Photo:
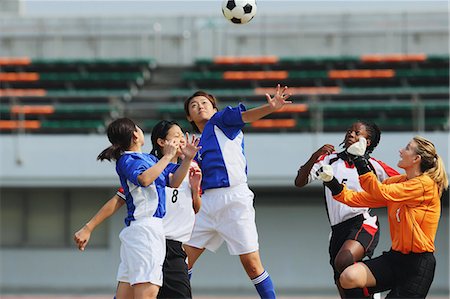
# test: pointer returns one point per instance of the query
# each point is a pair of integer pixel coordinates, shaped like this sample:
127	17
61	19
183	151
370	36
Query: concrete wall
39	160
180	40
293	245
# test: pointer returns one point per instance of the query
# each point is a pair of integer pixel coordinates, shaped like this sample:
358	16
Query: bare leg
350	252
124	291
252	264
145	290
193	253
357	276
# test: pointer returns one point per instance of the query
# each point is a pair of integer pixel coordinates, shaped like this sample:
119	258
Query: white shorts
142	252
227	214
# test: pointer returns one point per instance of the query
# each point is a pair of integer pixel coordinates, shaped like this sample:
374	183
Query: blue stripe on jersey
129	166
221	157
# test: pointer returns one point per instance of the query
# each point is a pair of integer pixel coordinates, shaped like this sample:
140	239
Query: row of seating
67	95
399	92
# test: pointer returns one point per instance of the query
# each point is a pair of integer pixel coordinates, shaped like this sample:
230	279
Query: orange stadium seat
15	61
27	109
274	123
246	60
18	124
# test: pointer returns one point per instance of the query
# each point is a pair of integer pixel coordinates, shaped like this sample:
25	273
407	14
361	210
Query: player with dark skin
346	247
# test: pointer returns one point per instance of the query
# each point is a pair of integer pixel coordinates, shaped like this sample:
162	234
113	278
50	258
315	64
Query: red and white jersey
346	173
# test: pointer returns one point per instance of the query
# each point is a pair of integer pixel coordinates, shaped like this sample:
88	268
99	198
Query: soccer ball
239	11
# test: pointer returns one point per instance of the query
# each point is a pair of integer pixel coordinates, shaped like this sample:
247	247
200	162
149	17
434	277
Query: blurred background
67	68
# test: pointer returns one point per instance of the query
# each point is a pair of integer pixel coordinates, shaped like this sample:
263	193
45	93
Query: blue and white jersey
180	216
221	157
142	201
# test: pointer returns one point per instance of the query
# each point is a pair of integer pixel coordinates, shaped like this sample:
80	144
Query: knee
350	278
343	260
252	270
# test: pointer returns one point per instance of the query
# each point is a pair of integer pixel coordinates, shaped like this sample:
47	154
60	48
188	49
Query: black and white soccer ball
239	11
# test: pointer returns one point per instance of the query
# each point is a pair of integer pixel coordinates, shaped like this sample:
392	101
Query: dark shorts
406	275
352	229
176	282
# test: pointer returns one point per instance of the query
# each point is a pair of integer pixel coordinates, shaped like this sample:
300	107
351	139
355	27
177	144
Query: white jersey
346	173
180	216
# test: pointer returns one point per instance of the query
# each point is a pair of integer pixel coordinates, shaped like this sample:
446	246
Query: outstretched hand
325	173
195	176
279	99
190	149
358	148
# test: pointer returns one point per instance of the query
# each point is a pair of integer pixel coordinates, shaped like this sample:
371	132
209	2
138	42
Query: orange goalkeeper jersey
413	206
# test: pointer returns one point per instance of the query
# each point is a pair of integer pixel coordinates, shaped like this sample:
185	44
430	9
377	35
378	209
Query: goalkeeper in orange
414	208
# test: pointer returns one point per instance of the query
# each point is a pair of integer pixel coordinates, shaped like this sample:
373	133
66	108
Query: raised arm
342	194
195	179
148	176
189	151
82	236
304	171
410	190
359	199
273	104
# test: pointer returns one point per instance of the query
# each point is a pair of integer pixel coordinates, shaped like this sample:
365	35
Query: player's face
176	133
201	109
408	156
353	134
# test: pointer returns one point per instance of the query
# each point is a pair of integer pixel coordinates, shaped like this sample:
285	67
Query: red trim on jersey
121	190
321	158
348	165
389	170
370	229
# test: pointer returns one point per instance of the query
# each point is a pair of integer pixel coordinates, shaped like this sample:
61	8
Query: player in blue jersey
181	205
354	231
227	212
143	178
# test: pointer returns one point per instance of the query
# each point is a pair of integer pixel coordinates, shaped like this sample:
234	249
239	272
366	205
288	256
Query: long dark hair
199	93
160	130
120	133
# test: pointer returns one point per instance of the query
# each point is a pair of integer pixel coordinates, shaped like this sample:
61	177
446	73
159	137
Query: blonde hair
431	163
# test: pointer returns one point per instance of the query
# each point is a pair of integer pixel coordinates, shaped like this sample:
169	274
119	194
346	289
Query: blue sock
190	273
264	286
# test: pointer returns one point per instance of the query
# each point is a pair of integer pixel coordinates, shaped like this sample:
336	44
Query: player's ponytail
431	163
120	134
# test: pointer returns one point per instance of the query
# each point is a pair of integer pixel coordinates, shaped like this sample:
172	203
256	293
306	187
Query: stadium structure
63	79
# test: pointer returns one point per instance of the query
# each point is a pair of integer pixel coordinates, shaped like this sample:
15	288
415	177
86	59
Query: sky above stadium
211	7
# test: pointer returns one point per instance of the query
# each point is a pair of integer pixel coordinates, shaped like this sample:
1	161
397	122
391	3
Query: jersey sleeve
383	171
313	172
170	169
121	193
359	199
133	168
229	120
390	190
